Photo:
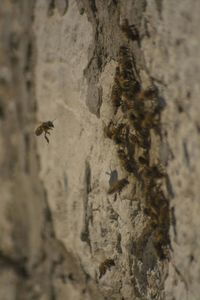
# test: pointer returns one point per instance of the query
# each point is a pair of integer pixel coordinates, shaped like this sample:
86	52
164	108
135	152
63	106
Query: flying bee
104	266
117	186
44	127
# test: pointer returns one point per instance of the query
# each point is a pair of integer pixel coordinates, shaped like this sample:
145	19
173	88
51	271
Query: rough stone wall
67	231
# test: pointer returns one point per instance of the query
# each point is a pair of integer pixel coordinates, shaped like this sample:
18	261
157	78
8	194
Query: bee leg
45	135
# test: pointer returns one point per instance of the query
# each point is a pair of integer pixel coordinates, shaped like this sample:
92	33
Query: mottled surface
62	235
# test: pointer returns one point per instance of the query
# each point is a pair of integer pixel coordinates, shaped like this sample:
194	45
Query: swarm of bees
44	127
140	113
104	266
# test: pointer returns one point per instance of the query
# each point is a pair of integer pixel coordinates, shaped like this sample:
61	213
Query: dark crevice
85	234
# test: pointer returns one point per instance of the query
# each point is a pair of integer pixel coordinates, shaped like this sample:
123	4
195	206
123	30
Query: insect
124	59
109	130
104	266
116	92
116	97
149	93
130	31
126	162
161	242
113	176
143	160
115	132
117	186
155	172
44	127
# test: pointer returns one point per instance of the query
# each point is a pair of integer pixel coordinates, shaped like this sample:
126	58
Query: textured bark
109	208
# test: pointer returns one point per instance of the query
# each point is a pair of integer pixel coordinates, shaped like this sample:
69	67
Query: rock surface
64	233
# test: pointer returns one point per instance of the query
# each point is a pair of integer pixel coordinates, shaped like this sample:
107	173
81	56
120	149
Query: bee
154	171
126	163
104	266
116	96
125	83
129	85
124	53
149	93
125	59
130	31
114	132
117	75
113	176
44	127
126	105
148	121
116	91
161	242
109	130
117	186
142	160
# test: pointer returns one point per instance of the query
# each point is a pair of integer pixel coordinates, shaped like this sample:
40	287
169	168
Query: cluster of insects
136	111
